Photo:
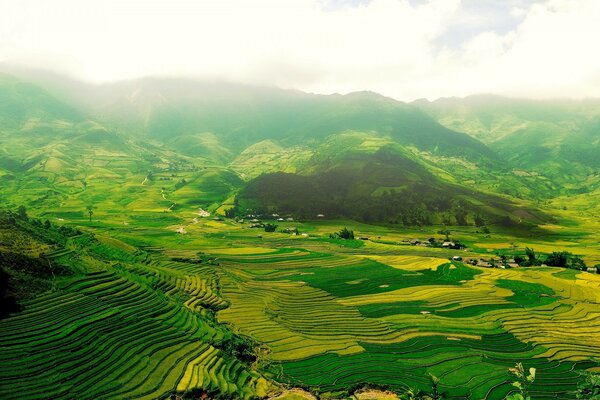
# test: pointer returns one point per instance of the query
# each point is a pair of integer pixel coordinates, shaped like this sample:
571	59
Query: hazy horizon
404	49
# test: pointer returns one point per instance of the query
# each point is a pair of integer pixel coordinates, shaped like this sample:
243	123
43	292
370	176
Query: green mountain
177	144
375	181
558	140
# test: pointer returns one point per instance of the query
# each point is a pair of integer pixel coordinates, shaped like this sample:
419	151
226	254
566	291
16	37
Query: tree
565	259
445	232
47	224
435	390
270	227
22	212
519	259
345	233
90	210
479	221
531	257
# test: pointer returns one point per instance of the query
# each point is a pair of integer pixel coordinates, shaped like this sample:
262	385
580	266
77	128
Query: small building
320	215
448	244
289	219
457	258
280	219
364	238
415	242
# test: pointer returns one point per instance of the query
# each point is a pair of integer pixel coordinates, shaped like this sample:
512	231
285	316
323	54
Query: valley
172	239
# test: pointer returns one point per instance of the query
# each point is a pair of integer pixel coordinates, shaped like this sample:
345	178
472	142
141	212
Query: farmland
328	316
150	257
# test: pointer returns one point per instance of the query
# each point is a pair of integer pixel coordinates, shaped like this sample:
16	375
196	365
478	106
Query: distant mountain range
361	155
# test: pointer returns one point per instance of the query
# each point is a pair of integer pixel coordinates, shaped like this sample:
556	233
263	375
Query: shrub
589	387
524	379
270	227
345	233
565	259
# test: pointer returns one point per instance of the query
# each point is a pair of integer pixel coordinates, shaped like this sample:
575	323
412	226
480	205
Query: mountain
556	139
188	115
376	182
174	144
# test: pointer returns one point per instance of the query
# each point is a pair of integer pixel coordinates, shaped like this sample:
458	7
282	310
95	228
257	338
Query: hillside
125	272
558	140
187	115
384	184
29	249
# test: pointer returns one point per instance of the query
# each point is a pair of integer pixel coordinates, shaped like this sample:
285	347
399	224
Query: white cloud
389	46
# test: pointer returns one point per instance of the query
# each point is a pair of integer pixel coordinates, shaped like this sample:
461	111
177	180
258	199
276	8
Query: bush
345	233
519	259
565	259
589	387
270	227
238	347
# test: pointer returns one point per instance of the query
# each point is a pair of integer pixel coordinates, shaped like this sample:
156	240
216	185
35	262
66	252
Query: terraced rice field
327	315
335	320
135	331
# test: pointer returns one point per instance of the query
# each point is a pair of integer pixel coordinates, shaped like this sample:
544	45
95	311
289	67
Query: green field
328	316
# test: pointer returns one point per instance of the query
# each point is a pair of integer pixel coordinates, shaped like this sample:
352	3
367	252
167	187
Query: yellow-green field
326	313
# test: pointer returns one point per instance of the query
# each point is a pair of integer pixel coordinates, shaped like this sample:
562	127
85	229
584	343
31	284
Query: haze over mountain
378	146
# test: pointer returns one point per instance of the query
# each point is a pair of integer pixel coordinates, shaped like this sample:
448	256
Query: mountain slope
187	115
559	139
376	183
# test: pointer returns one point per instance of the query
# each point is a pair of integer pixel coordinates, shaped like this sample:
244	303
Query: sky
405	49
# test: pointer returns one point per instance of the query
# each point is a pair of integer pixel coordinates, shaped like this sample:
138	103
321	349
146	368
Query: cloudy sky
405	49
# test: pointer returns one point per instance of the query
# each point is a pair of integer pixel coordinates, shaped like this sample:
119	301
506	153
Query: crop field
151	314
333	318
136	330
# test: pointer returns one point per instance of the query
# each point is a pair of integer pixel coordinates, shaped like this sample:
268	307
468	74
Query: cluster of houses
433	242
492	263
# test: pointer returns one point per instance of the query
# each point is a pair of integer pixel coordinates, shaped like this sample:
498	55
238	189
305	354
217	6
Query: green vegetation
133	262
524	380
270	227
344	233
589	387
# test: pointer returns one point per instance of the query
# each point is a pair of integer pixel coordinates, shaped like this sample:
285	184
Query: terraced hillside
140	326
150	312
333	321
